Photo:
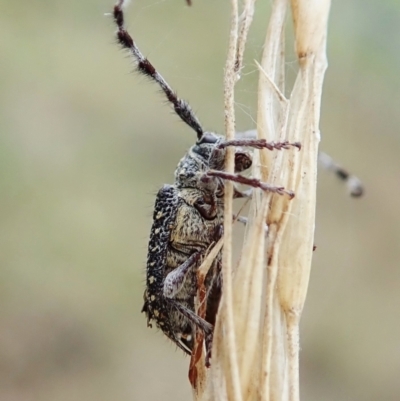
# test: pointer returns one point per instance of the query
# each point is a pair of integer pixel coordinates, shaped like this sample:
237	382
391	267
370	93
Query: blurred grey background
85	144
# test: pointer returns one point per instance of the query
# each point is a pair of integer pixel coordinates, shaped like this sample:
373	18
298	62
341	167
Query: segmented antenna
353	183
143	65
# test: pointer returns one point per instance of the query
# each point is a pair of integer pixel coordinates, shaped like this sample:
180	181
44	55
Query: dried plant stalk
256	338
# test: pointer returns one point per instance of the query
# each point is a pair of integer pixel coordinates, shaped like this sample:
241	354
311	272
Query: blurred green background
85	144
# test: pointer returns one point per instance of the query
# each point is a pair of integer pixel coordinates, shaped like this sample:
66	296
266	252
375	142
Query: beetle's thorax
201	157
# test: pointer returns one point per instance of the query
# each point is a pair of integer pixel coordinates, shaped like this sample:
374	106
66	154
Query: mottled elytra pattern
171	314
164	215
188	217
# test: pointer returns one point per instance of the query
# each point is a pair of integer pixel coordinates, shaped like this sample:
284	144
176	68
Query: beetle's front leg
252	182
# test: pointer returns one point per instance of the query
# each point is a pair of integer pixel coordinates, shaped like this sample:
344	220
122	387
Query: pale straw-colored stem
256	338
291	224
246	19
230	363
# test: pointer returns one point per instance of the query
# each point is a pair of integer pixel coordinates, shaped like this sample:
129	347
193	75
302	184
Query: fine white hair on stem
255	352
245	21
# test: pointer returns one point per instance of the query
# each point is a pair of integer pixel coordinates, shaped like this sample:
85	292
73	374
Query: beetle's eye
207	137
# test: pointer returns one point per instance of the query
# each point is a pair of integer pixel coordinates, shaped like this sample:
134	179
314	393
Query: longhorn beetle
188	216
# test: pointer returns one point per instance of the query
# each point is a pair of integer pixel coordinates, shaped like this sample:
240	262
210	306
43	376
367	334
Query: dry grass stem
226	322
245	21
256	338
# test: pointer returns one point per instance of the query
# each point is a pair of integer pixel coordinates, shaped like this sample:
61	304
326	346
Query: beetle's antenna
143	65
